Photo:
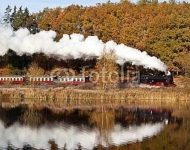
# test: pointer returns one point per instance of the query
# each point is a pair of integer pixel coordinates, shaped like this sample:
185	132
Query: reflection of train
154	114
151	80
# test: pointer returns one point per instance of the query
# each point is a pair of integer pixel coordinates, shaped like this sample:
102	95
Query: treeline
160	29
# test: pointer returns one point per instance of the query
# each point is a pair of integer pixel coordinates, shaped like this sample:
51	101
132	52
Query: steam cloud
72	46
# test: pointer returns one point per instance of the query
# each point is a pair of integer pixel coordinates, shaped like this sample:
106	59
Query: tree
7	17
34	69
107	69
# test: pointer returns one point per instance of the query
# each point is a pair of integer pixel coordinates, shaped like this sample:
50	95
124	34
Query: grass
65	97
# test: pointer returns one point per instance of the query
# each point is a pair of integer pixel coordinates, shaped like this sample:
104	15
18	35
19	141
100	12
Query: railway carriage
12	79
41	79
73	80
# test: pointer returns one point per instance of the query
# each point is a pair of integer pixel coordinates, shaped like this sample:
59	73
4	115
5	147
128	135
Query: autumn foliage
161	29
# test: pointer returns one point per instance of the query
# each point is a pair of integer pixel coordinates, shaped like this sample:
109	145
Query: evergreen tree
7	17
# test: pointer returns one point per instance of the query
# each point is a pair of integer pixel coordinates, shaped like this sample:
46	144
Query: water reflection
71	129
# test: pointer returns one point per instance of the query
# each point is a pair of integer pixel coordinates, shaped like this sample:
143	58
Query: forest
162	29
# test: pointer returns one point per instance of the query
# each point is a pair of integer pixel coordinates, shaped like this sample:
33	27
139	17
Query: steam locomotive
150	80
156	80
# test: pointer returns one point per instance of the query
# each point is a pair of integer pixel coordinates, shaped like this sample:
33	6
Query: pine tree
7	17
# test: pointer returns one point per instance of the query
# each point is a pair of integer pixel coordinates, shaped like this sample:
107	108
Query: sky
37	5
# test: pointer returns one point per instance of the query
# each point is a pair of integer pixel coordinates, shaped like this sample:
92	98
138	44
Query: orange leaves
5	71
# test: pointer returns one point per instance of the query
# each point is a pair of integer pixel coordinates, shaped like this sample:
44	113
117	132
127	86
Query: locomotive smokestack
71	46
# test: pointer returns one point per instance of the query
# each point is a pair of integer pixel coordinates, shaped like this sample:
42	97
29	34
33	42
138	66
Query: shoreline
79	97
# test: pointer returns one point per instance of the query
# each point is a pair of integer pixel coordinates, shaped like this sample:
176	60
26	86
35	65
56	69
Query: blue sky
37	5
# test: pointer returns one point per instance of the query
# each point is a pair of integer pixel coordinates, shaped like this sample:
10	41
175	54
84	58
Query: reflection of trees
174	137
32	117
105	121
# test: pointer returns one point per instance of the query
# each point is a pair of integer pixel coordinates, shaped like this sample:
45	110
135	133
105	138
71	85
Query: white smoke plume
72	46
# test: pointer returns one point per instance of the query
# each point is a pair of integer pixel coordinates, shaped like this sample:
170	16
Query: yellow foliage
107	69
5	71
34	69
63	72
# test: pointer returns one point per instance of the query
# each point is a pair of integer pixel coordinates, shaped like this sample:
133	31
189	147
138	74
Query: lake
134	127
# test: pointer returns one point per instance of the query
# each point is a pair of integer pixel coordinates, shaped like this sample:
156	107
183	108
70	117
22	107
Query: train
40	80
156	80
150	80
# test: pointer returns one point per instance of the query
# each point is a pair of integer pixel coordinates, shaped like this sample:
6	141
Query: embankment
69	97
